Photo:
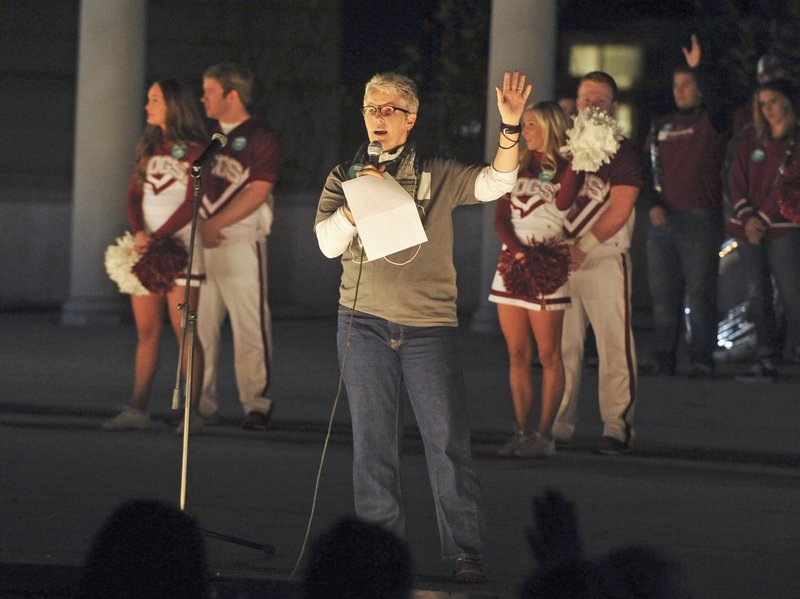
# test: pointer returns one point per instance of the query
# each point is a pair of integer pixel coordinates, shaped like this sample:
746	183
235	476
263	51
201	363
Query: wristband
587	243
509	129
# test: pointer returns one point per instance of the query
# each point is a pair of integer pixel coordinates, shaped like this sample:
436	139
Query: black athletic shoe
611	446
468	569
257	421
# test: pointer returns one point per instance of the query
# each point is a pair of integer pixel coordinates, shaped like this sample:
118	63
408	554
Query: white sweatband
587	243
491	183
335	233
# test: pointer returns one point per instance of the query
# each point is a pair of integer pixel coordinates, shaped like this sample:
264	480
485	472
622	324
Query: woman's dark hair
779	86
184	124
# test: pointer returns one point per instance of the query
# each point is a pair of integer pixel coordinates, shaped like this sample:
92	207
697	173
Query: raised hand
694	53
513	96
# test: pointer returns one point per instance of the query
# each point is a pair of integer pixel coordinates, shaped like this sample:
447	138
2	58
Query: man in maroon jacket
685	150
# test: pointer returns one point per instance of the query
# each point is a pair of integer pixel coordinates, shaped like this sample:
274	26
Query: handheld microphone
374	151
218	141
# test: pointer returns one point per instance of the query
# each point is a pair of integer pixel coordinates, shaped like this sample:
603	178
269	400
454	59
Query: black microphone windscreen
221	138
374	149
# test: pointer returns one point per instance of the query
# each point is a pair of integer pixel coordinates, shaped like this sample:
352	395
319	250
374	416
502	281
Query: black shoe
468	569
257	421
655	369
698	370
612	446
175	417
762	371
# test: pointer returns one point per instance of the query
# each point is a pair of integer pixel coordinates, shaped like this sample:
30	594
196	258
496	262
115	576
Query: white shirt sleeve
335	233
491	183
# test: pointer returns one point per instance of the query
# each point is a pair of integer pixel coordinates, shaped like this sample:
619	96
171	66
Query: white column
523	36
108	121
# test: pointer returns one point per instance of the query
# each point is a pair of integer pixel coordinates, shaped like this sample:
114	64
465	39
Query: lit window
623	62
624	117
583	59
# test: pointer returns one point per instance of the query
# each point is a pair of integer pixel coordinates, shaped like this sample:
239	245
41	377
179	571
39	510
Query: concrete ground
714	481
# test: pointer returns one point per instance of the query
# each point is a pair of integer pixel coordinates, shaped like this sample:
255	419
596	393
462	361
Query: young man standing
600	286
685	149
237	216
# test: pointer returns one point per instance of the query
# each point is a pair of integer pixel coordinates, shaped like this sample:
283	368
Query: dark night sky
374	33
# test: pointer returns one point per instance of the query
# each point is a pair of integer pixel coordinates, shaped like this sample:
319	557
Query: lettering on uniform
594	188
591	201
529	193
162	171
535	190
228	168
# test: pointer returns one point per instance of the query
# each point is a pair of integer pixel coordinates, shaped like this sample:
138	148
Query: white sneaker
509	447
537	446
196	423
129	419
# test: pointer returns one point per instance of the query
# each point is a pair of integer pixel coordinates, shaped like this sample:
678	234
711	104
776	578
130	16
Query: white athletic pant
236	285
601	296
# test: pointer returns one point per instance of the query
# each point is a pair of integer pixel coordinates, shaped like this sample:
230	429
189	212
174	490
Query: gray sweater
416	286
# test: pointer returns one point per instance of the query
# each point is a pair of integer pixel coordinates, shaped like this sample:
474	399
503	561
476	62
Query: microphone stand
187	316
189	333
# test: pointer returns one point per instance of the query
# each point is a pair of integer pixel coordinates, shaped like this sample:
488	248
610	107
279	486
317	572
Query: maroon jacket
691	153
754	189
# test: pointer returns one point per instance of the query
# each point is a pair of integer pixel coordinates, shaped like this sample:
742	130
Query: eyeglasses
385	110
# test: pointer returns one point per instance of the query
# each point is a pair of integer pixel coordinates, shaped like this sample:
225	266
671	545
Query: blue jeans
381	357
683	261
779	260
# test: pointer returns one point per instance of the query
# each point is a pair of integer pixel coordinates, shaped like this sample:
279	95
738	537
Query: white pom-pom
119	260
593	140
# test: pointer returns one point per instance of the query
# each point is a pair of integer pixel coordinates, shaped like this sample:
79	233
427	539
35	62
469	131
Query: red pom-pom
164	261
542	271
789	193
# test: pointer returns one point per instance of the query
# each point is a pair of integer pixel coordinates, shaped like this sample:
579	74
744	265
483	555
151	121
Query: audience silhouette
563	570
357	560
146	549
150	549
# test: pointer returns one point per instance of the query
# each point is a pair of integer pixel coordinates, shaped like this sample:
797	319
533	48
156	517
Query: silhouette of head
146	548
357	560
580	579
648	572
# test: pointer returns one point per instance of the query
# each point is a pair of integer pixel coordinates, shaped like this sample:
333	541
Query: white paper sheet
385	214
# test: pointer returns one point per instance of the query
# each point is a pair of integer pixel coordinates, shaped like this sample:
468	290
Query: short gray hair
395	84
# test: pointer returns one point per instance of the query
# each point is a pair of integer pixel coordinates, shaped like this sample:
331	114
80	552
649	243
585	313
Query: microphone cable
340	383
330	420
